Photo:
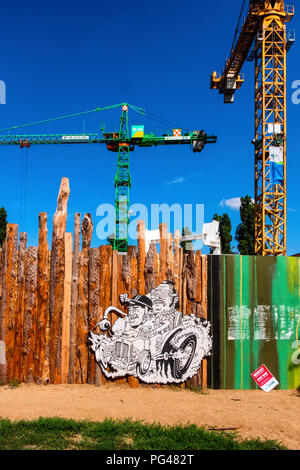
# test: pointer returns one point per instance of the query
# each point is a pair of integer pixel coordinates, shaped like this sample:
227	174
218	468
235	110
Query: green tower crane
121	142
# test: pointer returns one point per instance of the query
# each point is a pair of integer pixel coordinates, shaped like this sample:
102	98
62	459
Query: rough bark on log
74	297
57	275
180	275
126	272
132	253
66	309
105	295
114	280
94	300
82	312
176	260
190	271
163	251
9	303
129	276
30	315
150	271
157	267
2	307
17	374
141	256
169	258
43	273
46	366
121	289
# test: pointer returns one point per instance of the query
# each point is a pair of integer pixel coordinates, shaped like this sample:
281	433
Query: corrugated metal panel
254	308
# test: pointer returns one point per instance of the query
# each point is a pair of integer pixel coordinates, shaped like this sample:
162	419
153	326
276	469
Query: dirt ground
273	415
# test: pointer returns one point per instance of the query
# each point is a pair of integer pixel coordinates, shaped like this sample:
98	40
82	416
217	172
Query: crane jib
96	138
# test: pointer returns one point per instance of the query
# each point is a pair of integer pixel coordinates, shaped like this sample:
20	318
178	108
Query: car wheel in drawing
184	356
100	356
143	362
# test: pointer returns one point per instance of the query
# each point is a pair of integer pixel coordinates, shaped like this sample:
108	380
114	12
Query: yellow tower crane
263	39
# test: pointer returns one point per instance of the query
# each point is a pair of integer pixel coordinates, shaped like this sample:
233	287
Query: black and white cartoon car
154	341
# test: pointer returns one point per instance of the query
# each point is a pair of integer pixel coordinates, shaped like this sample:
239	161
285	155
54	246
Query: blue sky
65	57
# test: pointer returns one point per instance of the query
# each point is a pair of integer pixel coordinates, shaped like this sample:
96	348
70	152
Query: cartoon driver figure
164	302
138	318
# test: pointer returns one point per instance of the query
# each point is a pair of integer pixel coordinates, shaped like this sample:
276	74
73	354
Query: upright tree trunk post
176	260
163	230
150	271
105	294
57	282
74	297
66	309
132	253
141	256
82	312
94	299
43	273
30	315
2	303
169	258
17	374
9	305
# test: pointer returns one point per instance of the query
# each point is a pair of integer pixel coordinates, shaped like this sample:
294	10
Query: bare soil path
273	415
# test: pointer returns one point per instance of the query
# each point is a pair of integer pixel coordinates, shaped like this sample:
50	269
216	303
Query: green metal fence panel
254	309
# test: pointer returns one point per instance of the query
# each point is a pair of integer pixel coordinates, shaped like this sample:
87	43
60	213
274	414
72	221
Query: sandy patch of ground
273	415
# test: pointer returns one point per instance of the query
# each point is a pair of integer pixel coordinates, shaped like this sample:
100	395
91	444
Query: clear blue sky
66	57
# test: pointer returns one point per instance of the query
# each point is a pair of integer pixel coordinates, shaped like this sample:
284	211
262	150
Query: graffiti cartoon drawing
153	341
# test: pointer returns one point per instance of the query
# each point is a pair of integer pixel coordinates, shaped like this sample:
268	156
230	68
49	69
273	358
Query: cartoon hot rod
154	341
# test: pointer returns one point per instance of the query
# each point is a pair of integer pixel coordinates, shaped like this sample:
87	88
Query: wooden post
114	280
169	258
163	251
30	315
74	298
132	253
83	302
141	256
9	305
176	260
120	290
150	271
94	299
66	309
57	277
17	374
180	277
105	295
184	284
130	276
2	308
126	273
43	273
198	263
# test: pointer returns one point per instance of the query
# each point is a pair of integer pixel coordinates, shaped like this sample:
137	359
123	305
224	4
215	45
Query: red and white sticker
264	379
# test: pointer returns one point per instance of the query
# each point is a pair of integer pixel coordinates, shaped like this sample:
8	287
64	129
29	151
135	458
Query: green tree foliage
3	223
245	232
225	233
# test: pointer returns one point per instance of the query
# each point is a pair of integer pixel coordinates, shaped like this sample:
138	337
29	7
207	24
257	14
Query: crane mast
263	39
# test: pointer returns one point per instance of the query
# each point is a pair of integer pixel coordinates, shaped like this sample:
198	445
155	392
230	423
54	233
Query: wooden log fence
50	299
